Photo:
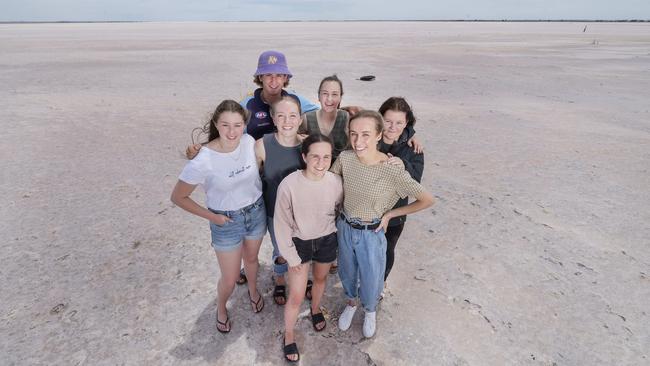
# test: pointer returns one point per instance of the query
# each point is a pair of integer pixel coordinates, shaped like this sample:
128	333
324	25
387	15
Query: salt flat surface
537	148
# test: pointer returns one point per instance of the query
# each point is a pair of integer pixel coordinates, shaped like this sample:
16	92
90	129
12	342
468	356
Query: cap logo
272	60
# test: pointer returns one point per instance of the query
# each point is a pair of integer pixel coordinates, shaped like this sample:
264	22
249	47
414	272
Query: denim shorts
248	223
320	250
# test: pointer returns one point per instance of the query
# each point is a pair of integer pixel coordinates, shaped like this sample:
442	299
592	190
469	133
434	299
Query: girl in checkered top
371	188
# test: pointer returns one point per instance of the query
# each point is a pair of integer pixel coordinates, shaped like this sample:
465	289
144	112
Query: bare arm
352	109
260	154
181	198
422	201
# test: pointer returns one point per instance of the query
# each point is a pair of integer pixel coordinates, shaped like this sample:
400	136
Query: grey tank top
338	135
280	161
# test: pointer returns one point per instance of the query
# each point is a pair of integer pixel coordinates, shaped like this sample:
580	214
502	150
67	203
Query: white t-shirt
231	180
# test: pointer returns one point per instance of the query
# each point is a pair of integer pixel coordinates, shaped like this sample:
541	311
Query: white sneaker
369	324
346	317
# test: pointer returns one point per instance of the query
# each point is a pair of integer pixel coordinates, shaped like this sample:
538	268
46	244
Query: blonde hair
375	116
286	98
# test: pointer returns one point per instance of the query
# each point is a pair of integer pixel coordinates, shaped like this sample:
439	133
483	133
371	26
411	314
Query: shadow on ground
257	338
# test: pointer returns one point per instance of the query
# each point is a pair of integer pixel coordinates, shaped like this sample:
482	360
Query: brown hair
227	105
330	78
258	80
398	104
379	120
312	139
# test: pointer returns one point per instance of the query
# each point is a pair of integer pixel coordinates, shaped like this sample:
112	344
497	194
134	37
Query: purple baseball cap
272	62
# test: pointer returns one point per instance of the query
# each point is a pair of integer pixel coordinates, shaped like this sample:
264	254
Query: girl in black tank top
278	155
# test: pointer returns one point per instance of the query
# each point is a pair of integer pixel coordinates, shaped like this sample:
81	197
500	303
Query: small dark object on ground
242	278
367	78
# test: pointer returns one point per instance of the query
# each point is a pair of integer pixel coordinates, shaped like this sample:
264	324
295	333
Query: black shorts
321	250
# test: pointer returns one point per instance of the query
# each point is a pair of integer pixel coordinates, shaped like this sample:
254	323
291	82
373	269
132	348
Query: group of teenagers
331	187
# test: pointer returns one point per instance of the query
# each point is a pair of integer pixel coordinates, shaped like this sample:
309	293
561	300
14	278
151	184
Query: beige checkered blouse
372	190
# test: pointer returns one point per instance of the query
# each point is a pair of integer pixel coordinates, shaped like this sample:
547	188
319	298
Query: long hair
227	105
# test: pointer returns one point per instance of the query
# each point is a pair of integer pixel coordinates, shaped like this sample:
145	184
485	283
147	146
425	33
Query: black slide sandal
318	319
290	349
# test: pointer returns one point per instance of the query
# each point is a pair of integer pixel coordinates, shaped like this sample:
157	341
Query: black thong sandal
308	289
280	292
291	349
257	305
242	278
225	325
318	319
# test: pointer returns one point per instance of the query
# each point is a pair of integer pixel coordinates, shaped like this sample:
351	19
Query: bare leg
229	266
297	286
251	249
320	272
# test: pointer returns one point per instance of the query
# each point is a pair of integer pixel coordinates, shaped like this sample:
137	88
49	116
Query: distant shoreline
335	21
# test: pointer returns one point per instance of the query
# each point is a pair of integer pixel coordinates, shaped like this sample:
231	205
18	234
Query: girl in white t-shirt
226	167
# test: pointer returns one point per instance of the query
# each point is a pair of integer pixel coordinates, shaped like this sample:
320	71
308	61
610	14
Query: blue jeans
247	224
362	262
278	269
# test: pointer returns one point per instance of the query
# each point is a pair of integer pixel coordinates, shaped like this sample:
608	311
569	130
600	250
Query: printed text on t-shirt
238	171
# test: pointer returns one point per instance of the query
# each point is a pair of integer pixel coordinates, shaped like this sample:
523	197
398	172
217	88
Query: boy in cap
272	75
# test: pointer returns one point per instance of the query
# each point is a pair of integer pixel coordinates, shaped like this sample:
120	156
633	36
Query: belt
243	210
358	226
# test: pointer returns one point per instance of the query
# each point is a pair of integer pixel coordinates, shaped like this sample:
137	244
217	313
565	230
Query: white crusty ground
537	140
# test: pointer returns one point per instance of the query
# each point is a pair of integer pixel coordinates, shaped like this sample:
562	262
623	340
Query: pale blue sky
193	10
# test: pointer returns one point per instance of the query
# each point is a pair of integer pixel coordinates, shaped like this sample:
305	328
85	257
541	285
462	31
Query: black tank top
280	161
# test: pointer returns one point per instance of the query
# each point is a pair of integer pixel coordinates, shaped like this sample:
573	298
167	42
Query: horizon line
340	20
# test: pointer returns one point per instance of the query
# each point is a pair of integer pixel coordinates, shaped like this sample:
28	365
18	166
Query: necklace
233	154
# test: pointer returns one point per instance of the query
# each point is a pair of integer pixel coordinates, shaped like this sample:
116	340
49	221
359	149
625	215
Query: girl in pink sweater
305	211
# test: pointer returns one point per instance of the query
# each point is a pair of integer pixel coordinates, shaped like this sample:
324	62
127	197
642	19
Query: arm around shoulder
192	151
